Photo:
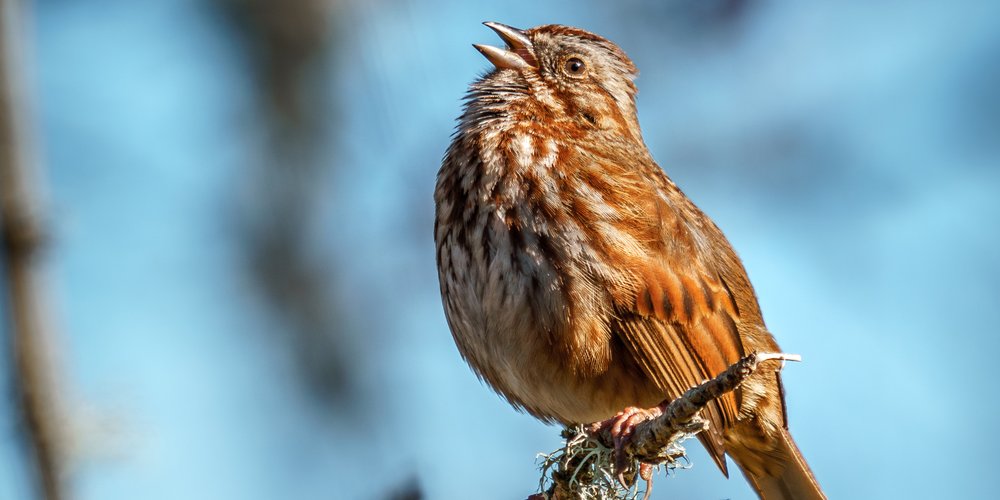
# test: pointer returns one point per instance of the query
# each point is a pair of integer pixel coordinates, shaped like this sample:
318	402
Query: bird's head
560	74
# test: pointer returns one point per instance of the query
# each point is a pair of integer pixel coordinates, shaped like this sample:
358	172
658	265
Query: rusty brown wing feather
674	312
682	331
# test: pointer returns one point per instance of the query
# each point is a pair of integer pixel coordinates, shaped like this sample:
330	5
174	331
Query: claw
646	473
621	427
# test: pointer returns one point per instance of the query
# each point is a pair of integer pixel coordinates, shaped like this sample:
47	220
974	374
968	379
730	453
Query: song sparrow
577	279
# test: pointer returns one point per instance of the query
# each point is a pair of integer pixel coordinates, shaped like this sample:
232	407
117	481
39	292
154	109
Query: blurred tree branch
21	232
285	45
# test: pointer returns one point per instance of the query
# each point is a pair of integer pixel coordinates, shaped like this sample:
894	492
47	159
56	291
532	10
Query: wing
682	331
680	319
669	282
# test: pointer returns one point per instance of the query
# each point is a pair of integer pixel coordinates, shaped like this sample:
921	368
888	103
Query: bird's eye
574	66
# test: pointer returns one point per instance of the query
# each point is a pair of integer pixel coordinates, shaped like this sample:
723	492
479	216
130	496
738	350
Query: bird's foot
621	427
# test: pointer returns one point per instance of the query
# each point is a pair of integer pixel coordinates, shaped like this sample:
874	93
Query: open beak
519	52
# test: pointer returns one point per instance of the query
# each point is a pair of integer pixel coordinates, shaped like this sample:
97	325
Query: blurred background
236	271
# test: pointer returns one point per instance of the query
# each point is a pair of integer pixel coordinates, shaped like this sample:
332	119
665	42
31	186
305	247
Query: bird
577	279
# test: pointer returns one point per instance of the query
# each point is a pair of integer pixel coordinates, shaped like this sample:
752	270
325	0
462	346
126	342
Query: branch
20	235
585	466
681	417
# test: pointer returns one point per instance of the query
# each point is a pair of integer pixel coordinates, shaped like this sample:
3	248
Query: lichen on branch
584	468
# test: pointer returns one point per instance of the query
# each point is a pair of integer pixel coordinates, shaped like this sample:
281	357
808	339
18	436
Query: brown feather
662	352
577	278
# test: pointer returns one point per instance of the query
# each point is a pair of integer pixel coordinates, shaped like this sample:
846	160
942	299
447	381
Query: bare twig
681	416
20	233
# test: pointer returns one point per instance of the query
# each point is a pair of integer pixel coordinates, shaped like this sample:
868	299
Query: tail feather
780	473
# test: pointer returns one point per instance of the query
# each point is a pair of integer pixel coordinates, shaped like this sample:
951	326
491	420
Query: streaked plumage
577	278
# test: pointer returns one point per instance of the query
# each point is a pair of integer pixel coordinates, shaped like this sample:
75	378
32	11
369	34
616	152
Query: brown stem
651	438
19	235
